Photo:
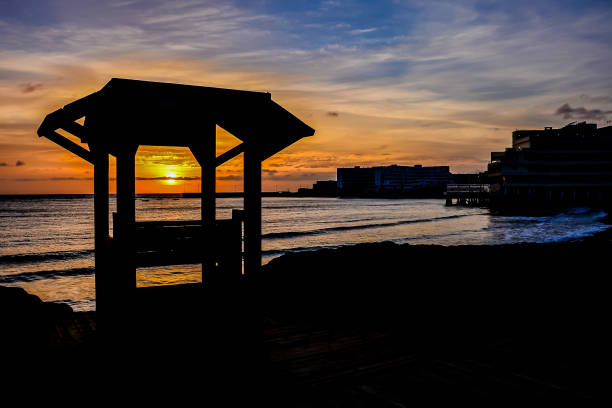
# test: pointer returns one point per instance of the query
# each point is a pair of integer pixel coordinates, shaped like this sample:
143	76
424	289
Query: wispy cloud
568	112
363	30
428	80
596	99
30	87
166	178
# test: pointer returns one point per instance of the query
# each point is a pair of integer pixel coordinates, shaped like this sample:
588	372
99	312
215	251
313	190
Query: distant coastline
235	194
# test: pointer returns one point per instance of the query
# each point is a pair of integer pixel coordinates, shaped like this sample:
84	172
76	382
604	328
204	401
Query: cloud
234	177
432	82
596	99
30	87
34	179
363	30
581	113
71	178
123	3
19	163
168	178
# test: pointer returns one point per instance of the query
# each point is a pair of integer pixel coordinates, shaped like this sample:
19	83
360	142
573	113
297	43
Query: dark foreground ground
368	325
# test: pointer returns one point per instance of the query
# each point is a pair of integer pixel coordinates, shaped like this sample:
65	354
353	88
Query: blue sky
431	82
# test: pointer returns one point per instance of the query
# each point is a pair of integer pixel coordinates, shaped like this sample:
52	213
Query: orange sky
345	136
440	83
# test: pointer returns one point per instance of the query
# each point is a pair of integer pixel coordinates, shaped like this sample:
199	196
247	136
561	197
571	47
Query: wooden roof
131	112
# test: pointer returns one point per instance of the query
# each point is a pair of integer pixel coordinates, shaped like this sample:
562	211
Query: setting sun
170	178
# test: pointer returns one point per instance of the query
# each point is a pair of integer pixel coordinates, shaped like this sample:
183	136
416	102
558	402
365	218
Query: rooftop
132	112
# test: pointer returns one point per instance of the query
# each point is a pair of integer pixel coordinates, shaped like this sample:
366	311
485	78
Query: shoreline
515	307
594	238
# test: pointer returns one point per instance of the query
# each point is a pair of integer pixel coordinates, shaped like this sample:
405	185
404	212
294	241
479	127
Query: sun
170	178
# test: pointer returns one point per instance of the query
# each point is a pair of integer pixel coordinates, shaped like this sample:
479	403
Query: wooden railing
467	188
157	243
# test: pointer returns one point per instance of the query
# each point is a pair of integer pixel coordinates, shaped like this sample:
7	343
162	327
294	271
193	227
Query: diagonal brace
69	145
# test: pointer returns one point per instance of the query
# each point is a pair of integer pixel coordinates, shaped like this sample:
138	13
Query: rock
26	321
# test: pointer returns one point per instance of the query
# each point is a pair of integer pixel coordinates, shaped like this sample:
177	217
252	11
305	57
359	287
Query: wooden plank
171	223
124	279
101	229
76	129
69	145
230	154
252	211
207	152
157	243
81	107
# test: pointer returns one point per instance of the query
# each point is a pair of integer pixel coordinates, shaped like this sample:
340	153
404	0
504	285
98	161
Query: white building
392	179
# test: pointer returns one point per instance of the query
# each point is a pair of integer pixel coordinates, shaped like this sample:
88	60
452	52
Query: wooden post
124	279
252	211
103	297
207	156
205	153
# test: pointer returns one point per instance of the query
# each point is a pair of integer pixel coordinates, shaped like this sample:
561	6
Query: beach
381	322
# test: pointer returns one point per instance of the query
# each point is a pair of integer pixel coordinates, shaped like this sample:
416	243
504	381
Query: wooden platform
313	363
353	332
325	362
320	366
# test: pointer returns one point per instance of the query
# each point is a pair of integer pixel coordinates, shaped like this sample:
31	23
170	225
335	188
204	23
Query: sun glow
170	178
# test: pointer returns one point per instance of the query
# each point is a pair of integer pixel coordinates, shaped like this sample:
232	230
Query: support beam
230	154
69	145
76	129
252	212
207	155
101	228
219	160
124	273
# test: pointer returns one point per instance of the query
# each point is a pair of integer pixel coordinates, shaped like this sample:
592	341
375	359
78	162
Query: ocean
46	243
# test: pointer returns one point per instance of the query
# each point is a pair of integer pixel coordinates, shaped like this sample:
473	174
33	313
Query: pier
472	195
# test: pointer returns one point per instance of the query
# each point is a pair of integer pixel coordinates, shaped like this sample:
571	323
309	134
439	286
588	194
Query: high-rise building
554	167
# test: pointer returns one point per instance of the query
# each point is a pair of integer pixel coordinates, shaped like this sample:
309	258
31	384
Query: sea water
46	243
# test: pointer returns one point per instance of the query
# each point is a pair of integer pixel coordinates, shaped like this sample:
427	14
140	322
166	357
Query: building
554	168
357	180
470	178
321	188
394	180
325	188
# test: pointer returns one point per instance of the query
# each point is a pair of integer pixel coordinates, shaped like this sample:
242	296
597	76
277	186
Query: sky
381	82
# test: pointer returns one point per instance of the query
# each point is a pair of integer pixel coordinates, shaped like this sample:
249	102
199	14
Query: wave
278	252
293	234
585	233
572	224
26	210
571	213
587	212
44	256
286	207
38	275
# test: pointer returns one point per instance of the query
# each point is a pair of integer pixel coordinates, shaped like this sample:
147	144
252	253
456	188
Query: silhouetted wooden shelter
126	114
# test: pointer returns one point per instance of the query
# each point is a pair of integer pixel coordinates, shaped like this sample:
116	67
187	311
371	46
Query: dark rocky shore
367	325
